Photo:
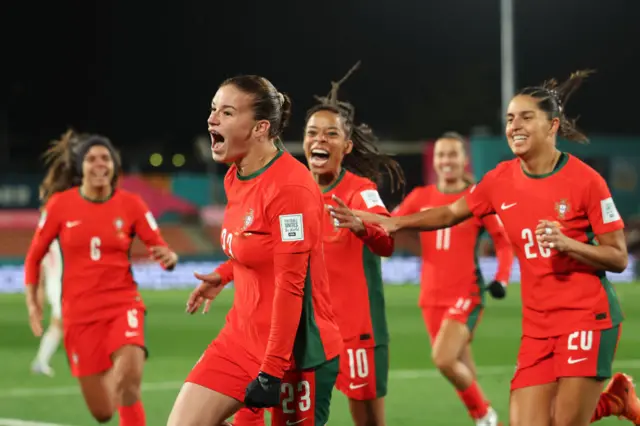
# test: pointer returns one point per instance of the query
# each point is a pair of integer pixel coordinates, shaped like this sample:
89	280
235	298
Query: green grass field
417	394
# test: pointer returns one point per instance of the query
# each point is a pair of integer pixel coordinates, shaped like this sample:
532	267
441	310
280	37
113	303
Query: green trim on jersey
615	310
308	350
373	275
607	351
564	158
84	197
479	278
262	170
335	182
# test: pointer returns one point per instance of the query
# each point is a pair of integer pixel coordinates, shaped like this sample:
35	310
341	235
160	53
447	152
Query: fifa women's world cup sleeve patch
609	211
295	214
601	209
371	198
291	227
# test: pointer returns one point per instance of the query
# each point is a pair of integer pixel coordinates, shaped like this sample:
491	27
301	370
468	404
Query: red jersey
449	256
559	294
95	239
353	263
272	231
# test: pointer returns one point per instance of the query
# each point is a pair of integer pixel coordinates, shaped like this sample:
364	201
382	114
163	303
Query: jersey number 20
529	251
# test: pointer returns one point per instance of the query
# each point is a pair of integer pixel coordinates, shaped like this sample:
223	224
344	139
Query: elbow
620	264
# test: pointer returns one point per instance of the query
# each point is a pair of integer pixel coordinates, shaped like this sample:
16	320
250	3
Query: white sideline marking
492	370
18	422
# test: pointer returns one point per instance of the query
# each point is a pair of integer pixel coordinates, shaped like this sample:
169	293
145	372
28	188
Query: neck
325	180
451	185
95	193
257	157
540	163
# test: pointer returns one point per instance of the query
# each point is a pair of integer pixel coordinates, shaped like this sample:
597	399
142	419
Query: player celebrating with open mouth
280	335
102	311
566	231
451	286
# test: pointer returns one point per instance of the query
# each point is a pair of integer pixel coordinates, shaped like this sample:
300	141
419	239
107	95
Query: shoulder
129	198
503	171
61	199
358	182
577	168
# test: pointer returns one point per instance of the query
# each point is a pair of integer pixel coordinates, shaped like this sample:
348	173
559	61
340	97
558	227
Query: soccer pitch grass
417	393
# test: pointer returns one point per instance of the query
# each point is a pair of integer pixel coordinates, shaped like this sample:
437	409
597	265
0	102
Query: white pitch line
493	370
18	422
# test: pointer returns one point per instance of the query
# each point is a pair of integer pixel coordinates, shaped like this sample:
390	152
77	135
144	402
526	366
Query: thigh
467	311
224	369
532	405
576	400
127	329
86	348
98	393
128	365
197	405
306	396
364	371
432	317
587	353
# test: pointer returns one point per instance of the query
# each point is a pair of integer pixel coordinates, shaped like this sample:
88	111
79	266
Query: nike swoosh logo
575	361
130	333
73	224
507	206
353	387
290	423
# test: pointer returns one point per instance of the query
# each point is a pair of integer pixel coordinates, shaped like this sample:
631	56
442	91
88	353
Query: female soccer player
51	286
280	334
452	289
566	231
102	311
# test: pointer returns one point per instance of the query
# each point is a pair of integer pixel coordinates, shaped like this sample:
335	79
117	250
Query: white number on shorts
527	235
132	318
304	393
463	304
94	248
226	239
586	340
443	239
358	363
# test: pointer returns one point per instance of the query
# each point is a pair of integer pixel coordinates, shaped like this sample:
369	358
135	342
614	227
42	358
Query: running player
102	311
452	288
280	335
566	232
51	288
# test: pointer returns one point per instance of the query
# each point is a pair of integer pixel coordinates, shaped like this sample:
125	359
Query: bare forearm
601	257
428	220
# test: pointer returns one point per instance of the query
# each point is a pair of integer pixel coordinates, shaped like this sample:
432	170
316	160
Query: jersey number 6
94	248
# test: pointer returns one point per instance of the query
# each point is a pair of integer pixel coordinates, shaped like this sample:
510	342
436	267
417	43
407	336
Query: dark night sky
144	72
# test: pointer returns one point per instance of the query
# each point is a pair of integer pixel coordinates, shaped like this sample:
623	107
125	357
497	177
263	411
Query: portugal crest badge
562	208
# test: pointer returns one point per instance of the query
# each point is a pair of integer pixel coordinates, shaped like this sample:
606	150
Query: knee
101	415
566	418
128	388
443	361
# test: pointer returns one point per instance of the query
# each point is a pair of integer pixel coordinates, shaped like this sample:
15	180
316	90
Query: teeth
446	169
319	151
519	137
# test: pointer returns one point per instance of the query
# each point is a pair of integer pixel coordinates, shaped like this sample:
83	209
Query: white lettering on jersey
151	221
43	219
291	227
609	211
372	198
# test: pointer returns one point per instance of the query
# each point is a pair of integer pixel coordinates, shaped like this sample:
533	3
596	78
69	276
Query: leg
467	359
98	393
533	387
197	405
48	345
447	352
576	400
128	363
306	396
248	417
367	413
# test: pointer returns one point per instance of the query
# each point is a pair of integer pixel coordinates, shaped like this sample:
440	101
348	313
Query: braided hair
365	159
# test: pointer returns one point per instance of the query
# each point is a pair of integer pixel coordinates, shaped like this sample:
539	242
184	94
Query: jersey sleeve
601	210
47	230
295	215
479	197
225	270
409	205
375	237
504	252
145	225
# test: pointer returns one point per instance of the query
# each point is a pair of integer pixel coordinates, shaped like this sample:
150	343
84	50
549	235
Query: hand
345	217
34	308
550	236
497	289
208	289
389	224
263	392
164	256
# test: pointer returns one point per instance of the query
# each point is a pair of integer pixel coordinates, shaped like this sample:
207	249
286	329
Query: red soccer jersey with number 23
95	240
559	294
272	232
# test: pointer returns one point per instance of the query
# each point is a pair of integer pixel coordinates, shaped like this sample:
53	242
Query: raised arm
148	231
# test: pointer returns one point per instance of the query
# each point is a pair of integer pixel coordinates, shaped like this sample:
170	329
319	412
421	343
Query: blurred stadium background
107	68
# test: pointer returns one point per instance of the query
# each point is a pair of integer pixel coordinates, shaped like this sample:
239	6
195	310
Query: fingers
340	202
194	302
368	217
205	277
207	305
